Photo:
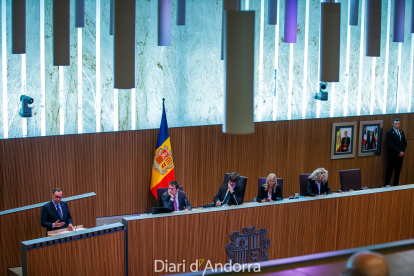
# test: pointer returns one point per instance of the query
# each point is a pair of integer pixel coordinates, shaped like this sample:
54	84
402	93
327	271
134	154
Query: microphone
186	205
92	224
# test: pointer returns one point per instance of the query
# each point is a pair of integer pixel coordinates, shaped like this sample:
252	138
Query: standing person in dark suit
55	214
396	148
346	141
270	191
318	183
229	193
175	199
371	141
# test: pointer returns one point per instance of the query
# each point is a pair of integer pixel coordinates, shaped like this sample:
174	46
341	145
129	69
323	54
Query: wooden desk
295	227
23	224
95	251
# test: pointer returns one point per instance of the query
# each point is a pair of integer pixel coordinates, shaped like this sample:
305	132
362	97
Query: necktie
175	204
226	199
59	212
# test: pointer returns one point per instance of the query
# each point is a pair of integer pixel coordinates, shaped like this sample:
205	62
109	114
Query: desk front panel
295	228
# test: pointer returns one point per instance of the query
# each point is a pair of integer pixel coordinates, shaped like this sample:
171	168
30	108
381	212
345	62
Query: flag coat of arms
163	165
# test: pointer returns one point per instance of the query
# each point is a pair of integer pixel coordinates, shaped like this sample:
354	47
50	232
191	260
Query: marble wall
189	73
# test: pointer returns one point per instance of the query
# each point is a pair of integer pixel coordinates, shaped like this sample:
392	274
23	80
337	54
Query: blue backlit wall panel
51	76
33	84
380	63
189	73
340	87
106	71
89	69
405	66
14	83
70	84
354	60
296	76
268	82
313	58
282	81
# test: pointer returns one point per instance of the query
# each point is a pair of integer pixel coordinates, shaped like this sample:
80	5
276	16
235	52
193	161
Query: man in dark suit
175	199
371	141
55	214
396	148
345	142
229	193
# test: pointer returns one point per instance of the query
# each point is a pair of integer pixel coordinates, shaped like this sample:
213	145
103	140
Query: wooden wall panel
117	165
25	225
100	255
294	229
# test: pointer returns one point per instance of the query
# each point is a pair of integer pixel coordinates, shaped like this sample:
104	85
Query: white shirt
269	195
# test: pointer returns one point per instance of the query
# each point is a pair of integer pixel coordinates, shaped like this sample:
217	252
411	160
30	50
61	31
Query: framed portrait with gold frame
370	138
343	143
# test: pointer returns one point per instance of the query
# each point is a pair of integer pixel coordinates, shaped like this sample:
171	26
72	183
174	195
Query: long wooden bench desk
21	224
294	227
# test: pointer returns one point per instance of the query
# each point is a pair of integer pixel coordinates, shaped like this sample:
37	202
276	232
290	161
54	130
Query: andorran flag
163	166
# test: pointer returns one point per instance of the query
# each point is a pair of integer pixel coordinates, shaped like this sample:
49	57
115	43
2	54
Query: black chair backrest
303	180
160	192
262	181
350	179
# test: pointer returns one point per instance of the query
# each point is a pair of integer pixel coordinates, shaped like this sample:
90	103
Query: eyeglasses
272	182
58	197
233	181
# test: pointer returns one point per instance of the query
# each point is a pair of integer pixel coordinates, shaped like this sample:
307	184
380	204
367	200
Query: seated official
175	199
318	183
270	191
55	214
229	193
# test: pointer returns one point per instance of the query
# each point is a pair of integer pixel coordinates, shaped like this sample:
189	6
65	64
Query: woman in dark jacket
318	183
270	191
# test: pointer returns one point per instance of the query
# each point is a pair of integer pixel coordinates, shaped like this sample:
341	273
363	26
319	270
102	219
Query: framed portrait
370	138
343	140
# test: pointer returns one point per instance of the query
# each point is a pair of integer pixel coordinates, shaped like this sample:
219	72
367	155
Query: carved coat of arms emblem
163	160
248	247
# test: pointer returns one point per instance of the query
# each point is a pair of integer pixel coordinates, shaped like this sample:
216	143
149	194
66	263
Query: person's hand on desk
263	200
58	224
218	203
70	226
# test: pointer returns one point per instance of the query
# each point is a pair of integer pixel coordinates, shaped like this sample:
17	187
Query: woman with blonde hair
270	191
318	183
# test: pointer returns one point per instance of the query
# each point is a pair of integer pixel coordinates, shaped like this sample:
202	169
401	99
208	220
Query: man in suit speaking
175	199
396	148
55	214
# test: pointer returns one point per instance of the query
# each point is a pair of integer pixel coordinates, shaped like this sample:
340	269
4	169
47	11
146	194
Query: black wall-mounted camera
26	110
323	94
